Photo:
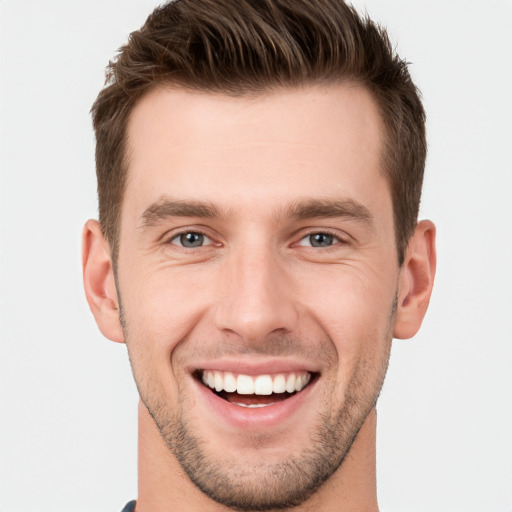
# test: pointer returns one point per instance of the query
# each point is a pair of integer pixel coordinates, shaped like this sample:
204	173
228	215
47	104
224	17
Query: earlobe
416	281
99	282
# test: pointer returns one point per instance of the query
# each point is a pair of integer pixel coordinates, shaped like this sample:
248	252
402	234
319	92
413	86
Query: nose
255	296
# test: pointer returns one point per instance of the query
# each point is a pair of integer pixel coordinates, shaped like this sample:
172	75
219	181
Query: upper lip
255	366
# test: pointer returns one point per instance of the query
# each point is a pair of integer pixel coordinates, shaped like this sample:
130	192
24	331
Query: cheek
350	300
355	310
163	306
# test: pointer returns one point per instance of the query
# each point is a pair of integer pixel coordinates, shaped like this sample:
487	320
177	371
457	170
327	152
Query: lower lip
255	418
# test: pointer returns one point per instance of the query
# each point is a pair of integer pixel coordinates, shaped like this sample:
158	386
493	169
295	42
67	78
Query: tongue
254	399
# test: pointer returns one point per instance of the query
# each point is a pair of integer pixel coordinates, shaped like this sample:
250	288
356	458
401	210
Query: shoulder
129	507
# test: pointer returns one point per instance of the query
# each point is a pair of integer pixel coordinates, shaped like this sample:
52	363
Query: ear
416	280
99	283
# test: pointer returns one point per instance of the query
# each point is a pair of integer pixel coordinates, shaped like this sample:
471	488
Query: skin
257	177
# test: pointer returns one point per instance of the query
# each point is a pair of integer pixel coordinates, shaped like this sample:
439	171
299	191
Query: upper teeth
255	385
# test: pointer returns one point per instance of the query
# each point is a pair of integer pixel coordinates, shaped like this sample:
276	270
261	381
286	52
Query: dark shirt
129	507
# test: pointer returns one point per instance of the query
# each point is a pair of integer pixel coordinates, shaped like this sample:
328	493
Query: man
259	173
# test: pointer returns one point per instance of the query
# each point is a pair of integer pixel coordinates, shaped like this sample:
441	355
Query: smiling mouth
255	391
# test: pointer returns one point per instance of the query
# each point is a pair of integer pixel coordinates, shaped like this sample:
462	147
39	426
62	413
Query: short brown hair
240	47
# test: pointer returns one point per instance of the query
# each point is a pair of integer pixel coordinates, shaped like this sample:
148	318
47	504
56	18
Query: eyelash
187	232
338	240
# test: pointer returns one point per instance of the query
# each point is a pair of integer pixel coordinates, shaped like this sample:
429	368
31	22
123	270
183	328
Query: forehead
244	152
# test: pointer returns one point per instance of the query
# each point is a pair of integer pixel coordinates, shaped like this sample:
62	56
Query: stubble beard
258	485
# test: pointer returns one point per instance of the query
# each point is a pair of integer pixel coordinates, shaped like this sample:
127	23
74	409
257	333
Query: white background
67	400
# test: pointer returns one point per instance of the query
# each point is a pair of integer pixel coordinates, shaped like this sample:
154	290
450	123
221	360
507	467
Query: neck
164	487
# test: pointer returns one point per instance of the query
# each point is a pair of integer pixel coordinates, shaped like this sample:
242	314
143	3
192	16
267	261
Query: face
258	276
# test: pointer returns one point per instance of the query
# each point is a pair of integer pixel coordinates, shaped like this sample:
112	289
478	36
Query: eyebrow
166	208
326	208
300	210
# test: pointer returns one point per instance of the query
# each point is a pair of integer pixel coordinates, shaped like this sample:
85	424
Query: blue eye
191	239
319	240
